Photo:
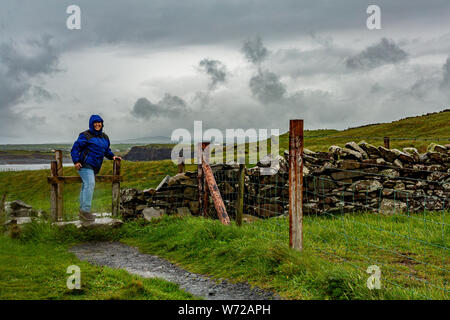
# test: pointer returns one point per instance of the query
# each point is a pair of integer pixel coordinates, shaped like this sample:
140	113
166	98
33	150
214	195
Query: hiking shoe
86	216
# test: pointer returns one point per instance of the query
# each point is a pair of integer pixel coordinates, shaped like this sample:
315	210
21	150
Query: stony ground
119	255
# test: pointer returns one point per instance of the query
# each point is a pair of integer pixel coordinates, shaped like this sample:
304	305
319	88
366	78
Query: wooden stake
240	198
386	142
54	192
60	194
116	189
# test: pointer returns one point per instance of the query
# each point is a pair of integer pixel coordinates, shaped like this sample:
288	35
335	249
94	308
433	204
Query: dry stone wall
357	177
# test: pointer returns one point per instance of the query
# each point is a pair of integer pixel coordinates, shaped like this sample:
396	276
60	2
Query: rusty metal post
200	177
116	188
386	142
54	192
215	194
240	197
60	194
296	184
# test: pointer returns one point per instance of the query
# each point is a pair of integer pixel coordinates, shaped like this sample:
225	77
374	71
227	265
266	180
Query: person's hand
117	157
78	166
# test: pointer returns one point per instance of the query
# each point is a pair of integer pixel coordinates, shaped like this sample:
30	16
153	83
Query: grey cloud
254	50
20	63
384	52
168	106
36	56
445	84
267	87
171	22
297	63
216	71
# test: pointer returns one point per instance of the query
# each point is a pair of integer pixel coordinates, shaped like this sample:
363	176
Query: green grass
35	266
337	252
434	125
259	253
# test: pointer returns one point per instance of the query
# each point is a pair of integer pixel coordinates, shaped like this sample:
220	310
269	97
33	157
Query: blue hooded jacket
91	146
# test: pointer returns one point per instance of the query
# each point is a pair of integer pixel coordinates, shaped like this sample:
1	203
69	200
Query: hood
95	118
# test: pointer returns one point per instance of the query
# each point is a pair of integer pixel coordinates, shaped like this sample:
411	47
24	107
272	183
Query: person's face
97	126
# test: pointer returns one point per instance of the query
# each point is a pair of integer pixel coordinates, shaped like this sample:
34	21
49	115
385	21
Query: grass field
35	267
332	265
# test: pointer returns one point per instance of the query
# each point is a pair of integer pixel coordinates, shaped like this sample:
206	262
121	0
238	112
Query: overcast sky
149	67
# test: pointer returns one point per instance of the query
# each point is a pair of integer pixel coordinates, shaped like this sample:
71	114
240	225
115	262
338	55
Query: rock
320	184
398	163
131	195
365	186
276	164
269	210
391	173
19	220
152	213
149	192
433	147
180	178
18	208
99	223
402	156
18	205
371	150
247	218
387	154
353	146
348	164
163	183
436	176
225	188
310	208
413	153
436	157
194	207
183	212
388	206
190	193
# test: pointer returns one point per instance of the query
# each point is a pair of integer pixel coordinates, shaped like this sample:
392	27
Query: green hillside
416	132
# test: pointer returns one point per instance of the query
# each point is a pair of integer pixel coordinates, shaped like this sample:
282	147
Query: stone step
105	222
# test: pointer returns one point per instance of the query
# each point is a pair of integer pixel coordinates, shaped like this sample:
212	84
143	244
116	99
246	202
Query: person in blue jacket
87	155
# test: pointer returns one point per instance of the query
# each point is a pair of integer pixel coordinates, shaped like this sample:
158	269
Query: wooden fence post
60	195
386	142
181	162
116	188
296	184
240	197
2	205
54	192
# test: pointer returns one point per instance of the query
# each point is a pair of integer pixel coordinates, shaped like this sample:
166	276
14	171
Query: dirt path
119	255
